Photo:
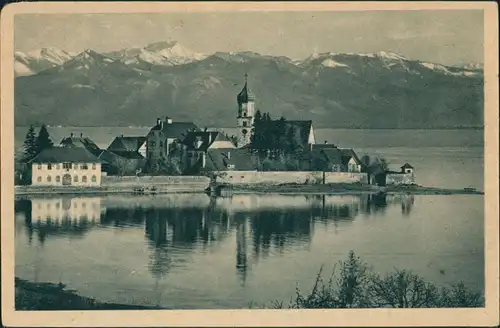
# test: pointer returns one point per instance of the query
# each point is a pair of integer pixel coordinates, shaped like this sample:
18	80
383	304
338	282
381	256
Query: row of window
68	166
75	178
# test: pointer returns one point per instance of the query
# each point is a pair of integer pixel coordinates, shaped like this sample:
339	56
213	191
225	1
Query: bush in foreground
355	285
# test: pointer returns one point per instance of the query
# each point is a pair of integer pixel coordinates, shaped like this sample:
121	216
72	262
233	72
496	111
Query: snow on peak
332	63
389	55
32	62
474	66
165	53
53	55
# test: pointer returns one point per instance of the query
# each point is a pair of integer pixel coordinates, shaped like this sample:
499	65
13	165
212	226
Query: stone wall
282	177
399	178
162	183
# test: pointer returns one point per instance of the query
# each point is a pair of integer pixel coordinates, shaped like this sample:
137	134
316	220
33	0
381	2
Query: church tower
246	113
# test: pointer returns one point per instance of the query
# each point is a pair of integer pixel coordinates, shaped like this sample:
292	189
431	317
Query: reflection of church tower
246	108
241	248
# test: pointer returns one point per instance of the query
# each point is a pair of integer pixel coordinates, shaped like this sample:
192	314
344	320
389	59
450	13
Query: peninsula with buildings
266	155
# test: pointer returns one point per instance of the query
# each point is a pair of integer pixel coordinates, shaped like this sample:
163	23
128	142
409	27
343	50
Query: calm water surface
191	251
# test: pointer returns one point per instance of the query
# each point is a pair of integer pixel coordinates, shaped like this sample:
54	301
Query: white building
61	166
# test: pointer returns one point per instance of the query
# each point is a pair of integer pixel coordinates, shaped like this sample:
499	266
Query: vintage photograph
263	160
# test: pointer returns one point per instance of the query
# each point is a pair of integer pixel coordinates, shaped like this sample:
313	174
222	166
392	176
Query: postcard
249	164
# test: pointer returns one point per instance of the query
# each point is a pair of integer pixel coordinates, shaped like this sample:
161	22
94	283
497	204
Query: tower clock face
244	131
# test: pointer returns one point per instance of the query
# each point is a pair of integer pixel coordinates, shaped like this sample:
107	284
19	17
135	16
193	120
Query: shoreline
339	189
36	296
318	189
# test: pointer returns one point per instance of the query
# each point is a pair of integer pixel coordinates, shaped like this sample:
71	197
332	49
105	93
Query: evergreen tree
256	138
43	140
30	149
292	144
280	134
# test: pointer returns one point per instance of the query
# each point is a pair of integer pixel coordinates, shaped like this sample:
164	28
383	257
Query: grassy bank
48	296
347	188
354	284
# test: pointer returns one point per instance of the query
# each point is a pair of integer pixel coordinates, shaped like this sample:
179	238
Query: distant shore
340	188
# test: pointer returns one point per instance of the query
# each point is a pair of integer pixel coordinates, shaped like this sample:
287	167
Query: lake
191	251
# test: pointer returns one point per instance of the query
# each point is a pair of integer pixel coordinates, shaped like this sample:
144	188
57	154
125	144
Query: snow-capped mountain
375	90
388	60
473	66
163	53
33	62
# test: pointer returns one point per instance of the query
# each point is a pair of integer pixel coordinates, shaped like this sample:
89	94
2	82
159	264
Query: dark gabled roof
81	142
245	95
65	154
207	138
350	153
110	157
407	166
127	144
334	156
129	154
175	130
218	159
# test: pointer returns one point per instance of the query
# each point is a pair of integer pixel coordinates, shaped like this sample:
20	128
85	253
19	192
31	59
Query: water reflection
175	225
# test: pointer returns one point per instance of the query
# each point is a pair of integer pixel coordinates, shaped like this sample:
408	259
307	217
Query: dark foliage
355	285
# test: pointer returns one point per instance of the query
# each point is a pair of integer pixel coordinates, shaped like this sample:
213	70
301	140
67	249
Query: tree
353	283
43	140
30	149
365	162
403	289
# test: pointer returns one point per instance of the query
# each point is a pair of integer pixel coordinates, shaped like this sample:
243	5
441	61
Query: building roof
126	144
65	154
350	153
407	166
110	157
334	155
175	130
218	159
245	95
129	154
202	140
81	142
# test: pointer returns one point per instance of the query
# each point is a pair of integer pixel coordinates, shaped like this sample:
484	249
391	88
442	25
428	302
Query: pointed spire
245	95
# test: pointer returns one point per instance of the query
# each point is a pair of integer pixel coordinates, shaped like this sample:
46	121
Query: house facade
202	150
62	166
162	139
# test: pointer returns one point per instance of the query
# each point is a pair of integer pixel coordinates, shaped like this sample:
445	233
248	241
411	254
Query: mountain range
134	86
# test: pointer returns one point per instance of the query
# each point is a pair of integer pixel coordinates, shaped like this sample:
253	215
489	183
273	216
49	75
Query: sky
448	37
